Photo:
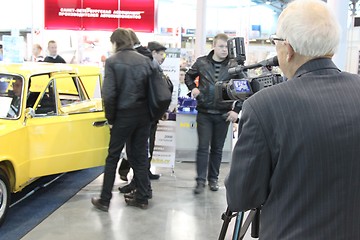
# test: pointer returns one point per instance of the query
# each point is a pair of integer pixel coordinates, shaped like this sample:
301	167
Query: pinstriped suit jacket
298	155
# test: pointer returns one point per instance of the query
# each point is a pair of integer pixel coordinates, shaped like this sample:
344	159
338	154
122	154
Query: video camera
242	87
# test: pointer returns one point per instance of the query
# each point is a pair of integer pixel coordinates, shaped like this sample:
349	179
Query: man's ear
290	52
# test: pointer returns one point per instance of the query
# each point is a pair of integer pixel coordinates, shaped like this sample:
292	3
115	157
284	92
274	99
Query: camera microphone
266	63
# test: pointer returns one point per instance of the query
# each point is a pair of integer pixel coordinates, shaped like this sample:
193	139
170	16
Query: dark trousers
153	129
125	165
212	130
134	131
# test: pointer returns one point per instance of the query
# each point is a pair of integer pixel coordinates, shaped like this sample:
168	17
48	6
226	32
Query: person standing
125	90
213	116
16	100
36	53
53	57
297	156
138	46
158	55
124	167
183	89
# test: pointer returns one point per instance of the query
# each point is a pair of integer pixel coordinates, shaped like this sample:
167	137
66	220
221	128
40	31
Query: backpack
159	94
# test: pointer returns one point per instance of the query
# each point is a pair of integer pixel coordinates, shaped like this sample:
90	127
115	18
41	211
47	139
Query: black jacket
57	59
126	79
204	69
144	51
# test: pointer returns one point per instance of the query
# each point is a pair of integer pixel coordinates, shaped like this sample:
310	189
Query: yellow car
52	120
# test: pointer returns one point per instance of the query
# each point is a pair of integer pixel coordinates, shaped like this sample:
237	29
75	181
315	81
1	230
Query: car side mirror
29	113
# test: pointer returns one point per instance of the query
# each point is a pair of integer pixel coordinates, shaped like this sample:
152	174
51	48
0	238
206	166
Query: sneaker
214	186
200	187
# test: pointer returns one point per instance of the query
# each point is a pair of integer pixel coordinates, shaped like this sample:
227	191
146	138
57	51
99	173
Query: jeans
135	132
212	130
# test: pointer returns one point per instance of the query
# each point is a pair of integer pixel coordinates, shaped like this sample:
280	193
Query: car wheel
4	195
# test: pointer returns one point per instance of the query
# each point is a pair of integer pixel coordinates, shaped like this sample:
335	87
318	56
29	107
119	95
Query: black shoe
200	187
132	202
124	169
214	186
132	194
124	178
100	204
127	188
153	176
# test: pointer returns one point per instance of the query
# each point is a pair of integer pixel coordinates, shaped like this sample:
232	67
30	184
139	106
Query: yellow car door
67	130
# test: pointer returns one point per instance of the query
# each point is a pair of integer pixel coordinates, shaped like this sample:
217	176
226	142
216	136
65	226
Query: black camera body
241	87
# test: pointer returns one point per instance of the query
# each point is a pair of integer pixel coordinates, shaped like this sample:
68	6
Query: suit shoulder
280	90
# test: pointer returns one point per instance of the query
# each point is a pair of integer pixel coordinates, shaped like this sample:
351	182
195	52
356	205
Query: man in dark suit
298	154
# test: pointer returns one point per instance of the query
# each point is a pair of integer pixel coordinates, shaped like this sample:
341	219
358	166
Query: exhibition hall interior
53	155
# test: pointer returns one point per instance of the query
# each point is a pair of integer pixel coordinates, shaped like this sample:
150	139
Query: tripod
239	229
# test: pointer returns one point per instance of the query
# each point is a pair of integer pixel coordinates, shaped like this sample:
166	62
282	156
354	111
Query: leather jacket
124	90
204	69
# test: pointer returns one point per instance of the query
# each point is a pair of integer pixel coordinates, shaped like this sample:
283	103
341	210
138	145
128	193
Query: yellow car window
11	95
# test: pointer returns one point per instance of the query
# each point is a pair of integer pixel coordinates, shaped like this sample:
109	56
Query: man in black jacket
125	94
53	57
124	165
156	52
213	115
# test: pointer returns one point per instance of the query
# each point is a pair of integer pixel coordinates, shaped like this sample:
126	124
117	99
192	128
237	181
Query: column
340	8
200	33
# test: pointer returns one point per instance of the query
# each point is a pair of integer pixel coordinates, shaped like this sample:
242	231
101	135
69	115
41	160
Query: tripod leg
255	225
246	224
226	216
237	226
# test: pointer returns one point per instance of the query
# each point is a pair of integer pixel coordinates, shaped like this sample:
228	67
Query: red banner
142	9
100	15
58	14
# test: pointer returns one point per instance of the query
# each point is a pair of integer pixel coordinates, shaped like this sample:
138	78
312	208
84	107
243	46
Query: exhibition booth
82	29
73	134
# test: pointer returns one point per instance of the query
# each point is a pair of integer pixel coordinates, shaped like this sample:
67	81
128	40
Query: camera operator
213	116
298	154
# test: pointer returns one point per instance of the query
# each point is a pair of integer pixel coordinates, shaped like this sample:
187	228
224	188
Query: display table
187	139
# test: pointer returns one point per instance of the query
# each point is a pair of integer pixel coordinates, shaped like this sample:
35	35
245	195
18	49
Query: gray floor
174	213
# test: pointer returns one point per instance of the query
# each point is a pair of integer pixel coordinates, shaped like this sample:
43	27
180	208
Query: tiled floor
174	212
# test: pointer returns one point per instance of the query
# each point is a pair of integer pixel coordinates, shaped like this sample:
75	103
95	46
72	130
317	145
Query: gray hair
310	27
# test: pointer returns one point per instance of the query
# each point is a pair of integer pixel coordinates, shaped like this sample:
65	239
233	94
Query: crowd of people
297	152
129	111
296	157
52	57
